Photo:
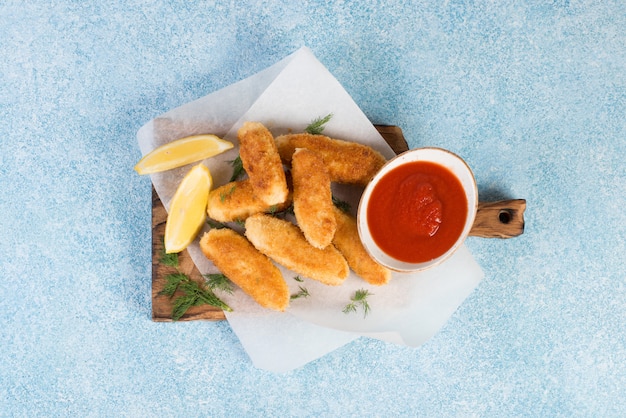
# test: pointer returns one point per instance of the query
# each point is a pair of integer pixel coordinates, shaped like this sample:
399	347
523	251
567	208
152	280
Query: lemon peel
181	152
187	211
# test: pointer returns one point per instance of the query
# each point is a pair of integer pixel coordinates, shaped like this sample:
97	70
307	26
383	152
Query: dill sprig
342	205
303	293
170	260
172	282
230	191
317	126
215	225
273	211
193	293
218	281
238	170
358	300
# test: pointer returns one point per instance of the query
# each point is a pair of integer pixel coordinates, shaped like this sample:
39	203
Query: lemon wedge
188	209
182	152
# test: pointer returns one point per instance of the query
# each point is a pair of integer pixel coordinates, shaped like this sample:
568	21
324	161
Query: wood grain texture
161	304
504	219
394	137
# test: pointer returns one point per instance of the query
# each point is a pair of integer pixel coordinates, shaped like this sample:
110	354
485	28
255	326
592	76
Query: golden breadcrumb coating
245	266
284	243
312	198
235	201
262	163
347	162
349	244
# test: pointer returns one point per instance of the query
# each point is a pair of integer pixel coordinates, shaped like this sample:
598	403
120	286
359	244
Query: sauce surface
417	211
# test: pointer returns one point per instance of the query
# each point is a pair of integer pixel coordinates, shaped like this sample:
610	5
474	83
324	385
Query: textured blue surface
532	94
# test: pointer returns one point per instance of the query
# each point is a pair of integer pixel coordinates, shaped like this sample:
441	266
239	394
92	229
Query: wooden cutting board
502	219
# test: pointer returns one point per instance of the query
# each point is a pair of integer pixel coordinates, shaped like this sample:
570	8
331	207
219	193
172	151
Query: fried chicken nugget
245	266
347	162
312	198
284	243
262	162
348	242
235	201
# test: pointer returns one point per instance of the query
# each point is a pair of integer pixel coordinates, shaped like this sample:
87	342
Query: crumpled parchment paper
287	97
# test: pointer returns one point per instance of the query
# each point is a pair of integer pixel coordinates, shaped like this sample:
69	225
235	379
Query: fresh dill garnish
298	279
215	225
317	126
358	300
230	191
303	293
218	281
170	260
273	211
342	205
194	293
172	281
237	165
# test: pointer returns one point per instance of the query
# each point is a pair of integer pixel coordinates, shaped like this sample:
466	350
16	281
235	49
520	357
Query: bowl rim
412	155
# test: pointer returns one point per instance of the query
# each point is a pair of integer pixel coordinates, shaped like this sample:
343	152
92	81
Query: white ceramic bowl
435	155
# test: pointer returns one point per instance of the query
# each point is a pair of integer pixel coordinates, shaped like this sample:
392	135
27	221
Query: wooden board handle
502	219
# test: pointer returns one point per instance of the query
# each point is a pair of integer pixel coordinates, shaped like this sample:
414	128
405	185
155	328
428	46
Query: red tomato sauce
417	211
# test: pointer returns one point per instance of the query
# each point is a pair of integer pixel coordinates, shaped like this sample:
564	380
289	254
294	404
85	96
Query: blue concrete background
532	94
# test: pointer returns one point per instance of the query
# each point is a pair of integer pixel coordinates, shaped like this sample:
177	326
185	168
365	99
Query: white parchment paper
287	97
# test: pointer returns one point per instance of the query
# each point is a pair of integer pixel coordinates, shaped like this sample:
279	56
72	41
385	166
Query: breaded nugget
261	161
245	266
312	198
349	244
347	162
235	201
284	243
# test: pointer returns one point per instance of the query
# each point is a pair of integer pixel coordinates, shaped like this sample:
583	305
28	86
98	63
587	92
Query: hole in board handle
505	216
